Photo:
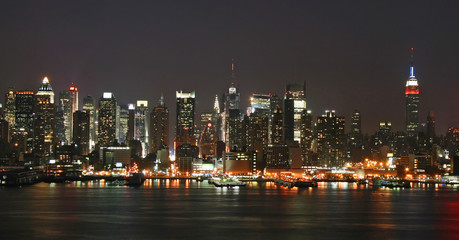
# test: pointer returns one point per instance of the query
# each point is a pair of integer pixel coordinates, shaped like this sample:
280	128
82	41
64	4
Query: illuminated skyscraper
412	101
24	117
159	127
141	123
331	139
233	96
44	119
307	126
232	110
185	118
89	106
131	123
277	126
107	119
123	124
9	111
68	103
294	105
260	103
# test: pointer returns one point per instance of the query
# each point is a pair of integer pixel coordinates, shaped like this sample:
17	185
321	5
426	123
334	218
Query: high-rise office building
107	119
81	131
294	105
431	126
44	119
355	135
131	122
331	140
159	127
9	111
307	126
233	96
68	103
185	118
24	116
123	124
89	105
217	118
260	103
141	124
412	101
232	100
277	126
356	128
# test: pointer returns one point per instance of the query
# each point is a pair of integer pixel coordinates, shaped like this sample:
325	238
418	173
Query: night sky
352	54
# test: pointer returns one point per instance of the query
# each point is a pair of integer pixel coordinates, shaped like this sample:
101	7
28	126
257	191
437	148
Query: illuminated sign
107	95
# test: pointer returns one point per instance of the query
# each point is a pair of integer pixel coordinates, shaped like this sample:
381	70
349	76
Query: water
183	209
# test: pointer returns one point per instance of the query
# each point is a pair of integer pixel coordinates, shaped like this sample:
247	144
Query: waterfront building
107	119
277	156
68	103
237	163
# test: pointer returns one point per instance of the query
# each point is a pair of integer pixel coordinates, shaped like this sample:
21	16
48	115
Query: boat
228	182
135	179
305	183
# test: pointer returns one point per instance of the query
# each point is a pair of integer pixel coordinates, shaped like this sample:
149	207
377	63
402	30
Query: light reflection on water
189	209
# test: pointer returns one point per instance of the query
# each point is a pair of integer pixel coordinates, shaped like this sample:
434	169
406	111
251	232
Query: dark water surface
183	209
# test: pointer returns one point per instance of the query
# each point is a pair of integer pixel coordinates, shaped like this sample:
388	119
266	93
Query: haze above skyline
352	55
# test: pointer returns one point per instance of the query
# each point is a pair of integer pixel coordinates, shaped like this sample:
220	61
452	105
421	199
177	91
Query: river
185	209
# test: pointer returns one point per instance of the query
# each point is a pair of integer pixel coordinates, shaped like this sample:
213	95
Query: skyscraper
107	119
131	123
185	118
89	106
232	110
277	126
9	111
141	123
44	119
294	105
81	131
159	127
331	139
306	139
431	126
412	101
68	103
123	124
233	96
24	116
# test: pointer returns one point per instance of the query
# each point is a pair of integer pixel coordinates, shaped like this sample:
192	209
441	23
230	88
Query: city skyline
326	46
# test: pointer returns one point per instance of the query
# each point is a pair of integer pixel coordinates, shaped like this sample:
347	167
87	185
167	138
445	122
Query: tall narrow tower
412	101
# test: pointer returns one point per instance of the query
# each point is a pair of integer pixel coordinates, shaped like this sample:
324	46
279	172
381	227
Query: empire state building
412	101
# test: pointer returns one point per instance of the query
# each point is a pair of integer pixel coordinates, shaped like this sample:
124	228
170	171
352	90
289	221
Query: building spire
233	71
161	100
412	64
